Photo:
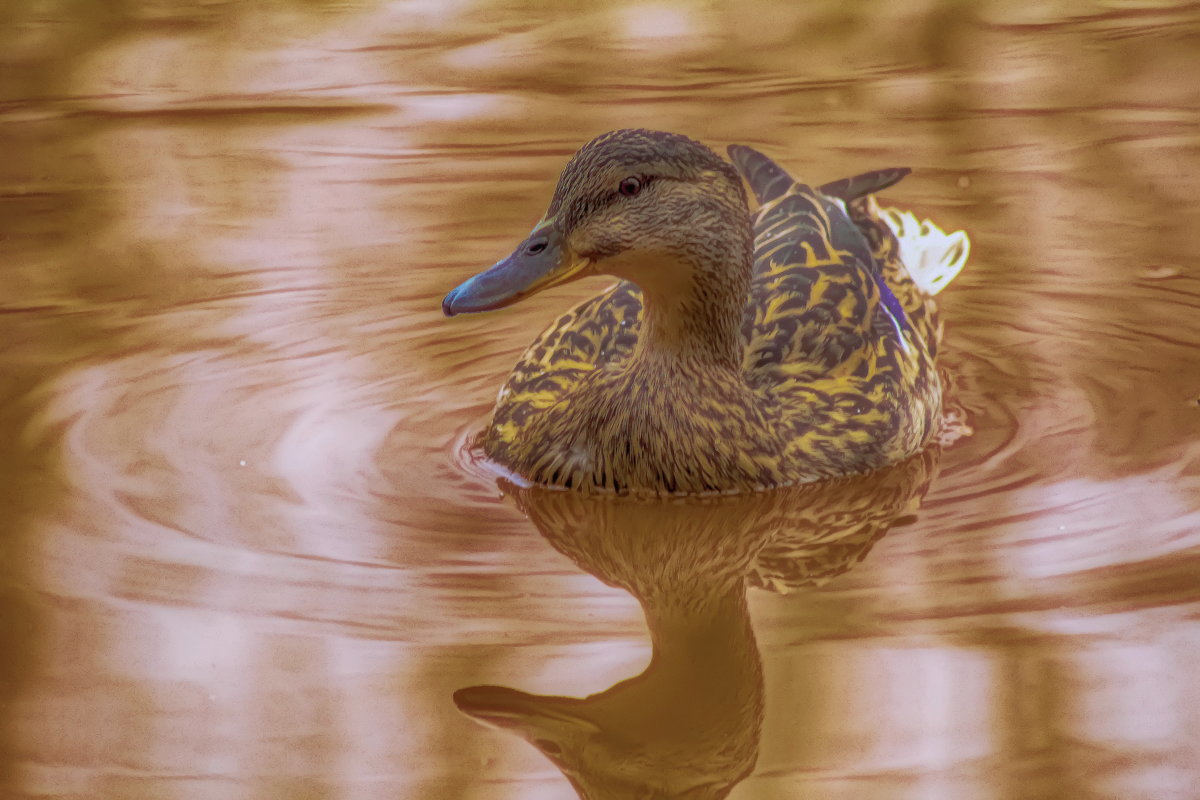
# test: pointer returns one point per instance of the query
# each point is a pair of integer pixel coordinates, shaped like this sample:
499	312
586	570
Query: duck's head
659	209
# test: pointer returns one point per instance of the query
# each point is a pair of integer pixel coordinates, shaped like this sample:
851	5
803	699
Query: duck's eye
630	186
535	248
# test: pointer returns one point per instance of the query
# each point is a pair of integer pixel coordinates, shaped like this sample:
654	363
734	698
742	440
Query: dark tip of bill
447	305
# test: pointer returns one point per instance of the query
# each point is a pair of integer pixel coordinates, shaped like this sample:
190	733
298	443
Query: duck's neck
693	305
705	670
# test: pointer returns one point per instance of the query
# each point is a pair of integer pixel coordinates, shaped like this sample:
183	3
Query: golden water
241	559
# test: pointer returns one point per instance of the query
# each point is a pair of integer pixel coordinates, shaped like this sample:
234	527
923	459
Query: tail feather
769	181
862	185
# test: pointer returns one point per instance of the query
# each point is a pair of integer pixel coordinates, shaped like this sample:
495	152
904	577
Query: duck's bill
541	261
502	707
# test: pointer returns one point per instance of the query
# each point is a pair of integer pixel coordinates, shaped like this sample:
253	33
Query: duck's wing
819	304
827	341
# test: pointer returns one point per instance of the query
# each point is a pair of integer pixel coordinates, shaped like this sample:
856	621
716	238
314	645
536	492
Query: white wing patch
932	257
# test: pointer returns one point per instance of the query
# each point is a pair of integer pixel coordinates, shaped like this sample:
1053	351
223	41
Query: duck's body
757	352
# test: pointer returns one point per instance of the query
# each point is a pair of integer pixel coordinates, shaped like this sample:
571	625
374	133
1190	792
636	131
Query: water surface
241	558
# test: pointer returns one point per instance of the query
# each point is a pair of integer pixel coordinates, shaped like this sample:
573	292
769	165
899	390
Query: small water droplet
1158	272
963	181
242	463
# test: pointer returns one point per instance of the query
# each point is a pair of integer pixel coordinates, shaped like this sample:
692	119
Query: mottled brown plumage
739	352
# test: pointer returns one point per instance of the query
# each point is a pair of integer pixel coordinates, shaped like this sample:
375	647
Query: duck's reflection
689	726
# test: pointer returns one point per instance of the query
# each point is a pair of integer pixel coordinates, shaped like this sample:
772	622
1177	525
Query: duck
738	350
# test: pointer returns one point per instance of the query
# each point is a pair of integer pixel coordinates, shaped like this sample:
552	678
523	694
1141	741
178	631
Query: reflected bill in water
689	725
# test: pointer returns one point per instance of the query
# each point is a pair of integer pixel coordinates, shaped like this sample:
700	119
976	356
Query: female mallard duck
738	352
